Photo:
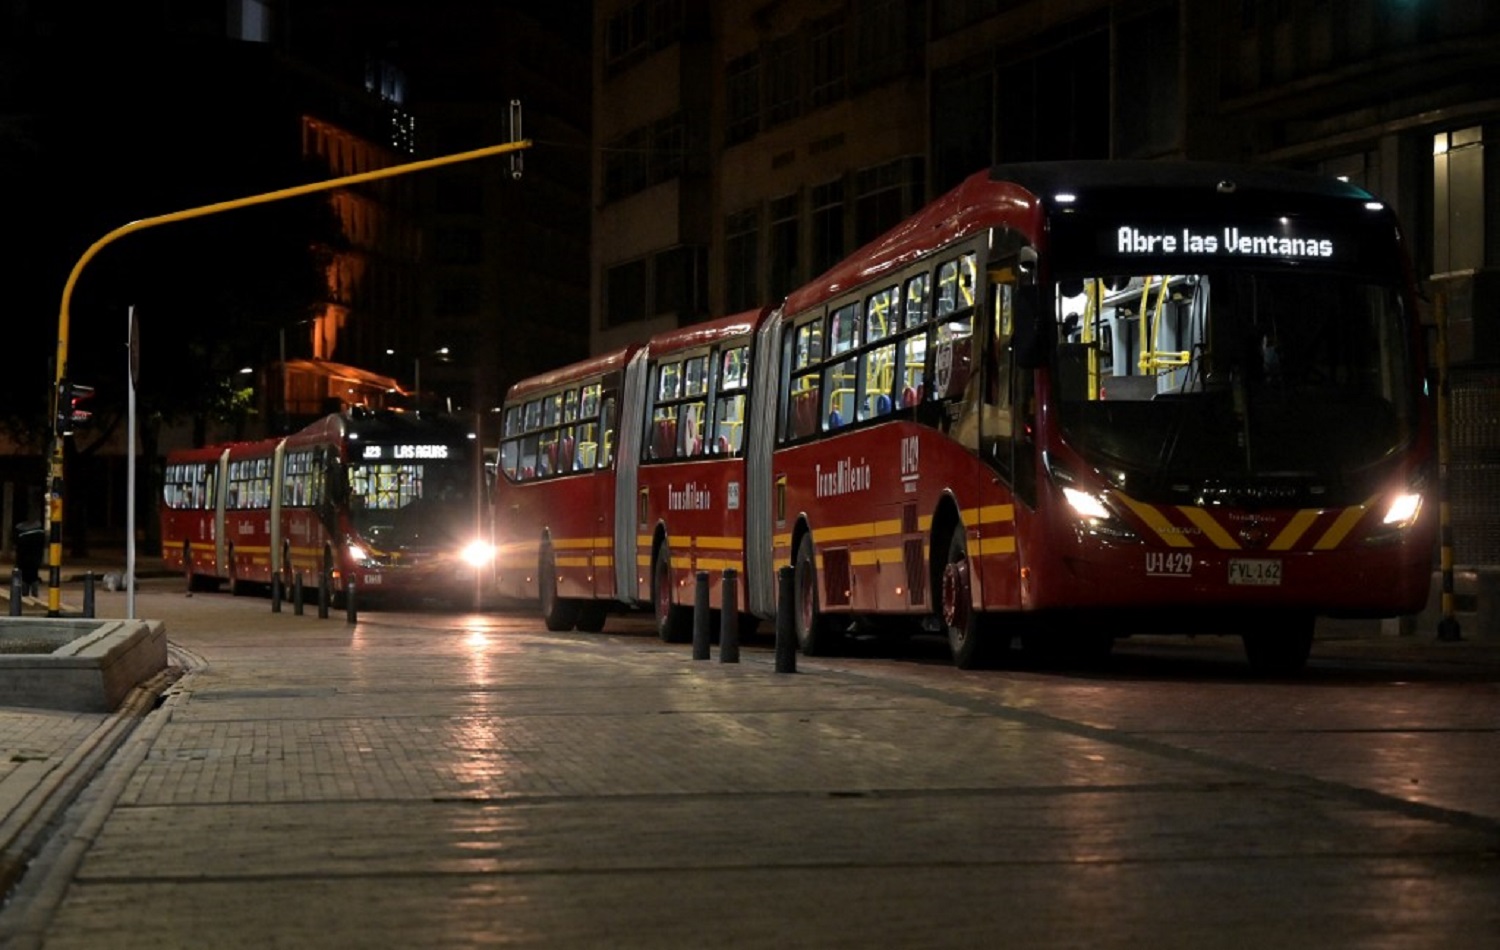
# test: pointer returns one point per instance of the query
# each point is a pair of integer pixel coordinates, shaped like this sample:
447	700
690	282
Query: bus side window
955	326
839	389
607	420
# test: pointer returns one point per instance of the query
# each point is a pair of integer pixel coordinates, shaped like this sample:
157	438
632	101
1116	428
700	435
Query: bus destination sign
1230	241
404	452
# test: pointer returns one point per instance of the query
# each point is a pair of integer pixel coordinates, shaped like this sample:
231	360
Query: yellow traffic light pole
55	468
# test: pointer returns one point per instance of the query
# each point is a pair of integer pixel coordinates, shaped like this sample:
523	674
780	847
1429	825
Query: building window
741	246
625	293
679	282
883	38
640	27
827	82
785	247
885	194
645	156
784	80
1458	200
827	225
742	88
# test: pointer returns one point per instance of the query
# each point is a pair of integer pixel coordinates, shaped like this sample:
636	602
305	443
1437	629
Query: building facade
763	141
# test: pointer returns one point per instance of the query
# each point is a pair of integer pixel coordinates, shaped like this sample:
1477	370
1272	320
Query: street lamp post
55	474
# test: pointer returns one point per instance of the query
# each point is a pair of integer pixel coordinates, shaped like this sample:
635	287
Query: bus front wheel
960	619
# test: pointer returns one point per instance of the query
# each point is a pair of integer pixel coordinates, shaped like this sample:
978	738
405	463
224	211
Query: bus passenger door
1004	427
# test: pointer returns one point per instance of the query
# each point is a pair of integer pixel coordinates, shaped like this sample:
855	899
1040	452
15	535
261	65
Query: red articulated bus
391	503
558	487
1062	404
1068	402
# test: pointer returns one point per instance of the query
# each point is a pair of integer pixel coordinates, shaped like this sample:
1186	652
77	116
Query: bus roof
610	362
1046	180
1020	195
977	203
710	331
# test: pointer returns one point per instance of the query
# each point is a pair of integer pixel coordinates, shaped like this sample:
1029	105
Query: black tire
591	616
816	636
674	623
1280	647
557	613
956	606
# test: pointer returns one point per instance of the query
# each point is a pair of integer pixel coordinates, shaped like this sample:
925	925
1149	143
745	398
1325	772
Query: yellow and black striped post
1448	628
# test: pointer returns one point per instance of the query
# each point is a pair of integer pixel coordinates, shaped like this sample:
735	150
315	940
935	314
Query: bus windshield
398	505
1232	373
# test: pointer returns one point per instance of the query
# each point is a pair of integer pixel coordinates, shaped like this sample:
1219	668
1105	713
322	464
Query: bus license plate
1255	573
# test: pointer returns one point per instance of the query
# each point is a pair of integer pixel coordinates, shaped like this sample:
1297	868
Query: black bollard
323	593
786	633
297	593
351	611
729	618
276	593
17	591
88	594
700	617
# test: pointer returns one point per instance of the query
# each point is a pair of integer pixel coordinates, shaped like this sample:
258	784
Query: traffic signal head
70	411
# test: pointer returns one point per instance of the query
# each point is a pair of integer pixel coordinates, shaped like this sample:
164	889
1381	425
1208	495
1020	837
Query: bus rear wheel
674	623
815	635
557	613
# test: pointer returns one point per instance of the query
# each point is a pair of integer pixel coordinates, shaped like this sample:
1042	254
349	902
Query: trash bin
30	542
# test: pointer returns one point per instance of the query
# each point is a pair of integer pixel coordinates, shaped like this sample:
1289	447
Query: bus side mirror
1029	336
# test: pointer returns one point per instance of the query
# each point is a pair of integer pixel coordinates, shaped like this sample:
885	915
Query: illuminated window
1458	200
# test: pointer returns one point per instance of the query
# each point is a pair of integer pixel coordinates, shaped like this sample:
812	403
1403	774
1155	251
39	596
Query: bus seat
565	455
835	419
908	397
882	404
723	445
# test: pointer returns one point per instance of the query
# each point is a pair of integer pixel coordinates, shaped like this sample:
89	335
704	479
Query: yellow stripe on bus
1001	545
1211	529
1341	527
717	544
1295	529
1156	522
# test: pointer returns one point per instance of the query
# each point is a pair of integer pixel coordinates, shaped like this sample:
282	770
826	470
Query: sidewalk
470	782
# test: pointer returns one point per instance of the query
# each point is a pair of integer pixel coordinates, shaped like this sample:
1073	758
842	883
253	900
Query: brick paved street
463	781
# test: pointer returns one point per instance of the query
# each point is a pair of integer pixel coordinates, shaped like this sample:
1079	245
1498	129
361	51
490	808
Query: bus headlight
478	553
1085	505
360	556
1092	516
1403	510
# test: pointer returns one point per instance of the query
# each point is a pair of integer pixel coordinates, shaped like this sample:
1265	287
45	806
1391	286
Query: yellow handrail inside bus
1153	360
